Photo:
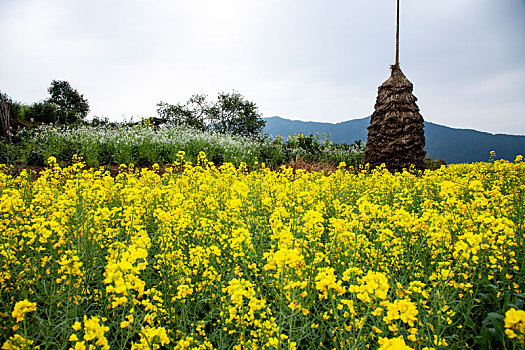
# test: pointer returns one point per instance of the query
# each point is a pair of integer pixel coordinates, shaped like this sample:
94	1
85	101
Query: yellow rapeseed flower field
206	257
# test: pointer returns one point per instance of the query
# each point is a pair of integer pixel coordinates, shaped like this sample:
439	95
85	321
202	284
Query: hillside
453	145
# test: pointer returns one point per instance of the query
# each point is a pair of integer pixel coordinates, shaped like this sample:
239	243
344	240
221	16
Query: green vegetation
229	130
230	114
144	144
205	257
65	106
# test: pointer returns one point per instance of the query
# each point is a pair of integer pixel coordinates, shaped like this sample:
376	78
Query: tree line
230	113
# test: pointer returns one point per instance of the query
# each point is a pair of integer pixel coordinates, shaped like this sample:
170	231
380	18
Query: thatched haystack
395	135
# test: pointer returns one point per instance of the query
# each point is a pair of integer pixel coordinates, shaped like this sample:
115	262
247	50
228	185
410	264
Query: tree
71	107
42	112
231	113
234	114
64	106
193	113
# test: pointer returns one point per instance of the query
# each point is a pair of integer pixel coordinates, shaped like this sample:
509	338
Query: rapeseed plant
22	308
207	257
515	324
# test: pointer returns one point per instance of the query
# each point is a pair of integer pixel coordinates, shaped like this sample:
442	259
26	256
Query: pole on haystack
397	35
395	134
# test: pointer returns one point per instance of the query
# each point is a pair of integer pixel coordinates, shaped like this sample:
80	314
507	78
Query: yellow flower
294	305
242	244
183	291
80	346
274	342
17	342
93	330
22	308
374	285
76	326
515	324
377	312
393	344
152	338
326	281
285	257
403	310
377	330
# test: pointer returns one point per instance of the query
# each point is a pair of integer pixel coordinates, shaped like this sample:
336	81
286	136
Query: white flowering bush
138	144
145	145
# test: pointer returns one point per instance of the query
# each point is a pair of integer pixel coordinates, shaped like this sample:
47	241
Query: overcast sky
299	59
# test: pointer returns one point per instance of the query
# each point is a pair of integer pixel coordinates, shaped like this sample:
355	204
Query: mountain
442	142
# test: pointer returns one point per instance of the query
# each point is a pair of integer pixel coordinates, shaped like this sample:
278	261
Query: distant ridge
451	144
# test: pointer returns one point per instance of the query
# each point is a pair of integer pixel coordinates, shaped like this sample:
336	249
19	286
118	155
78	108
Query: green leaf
491	317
